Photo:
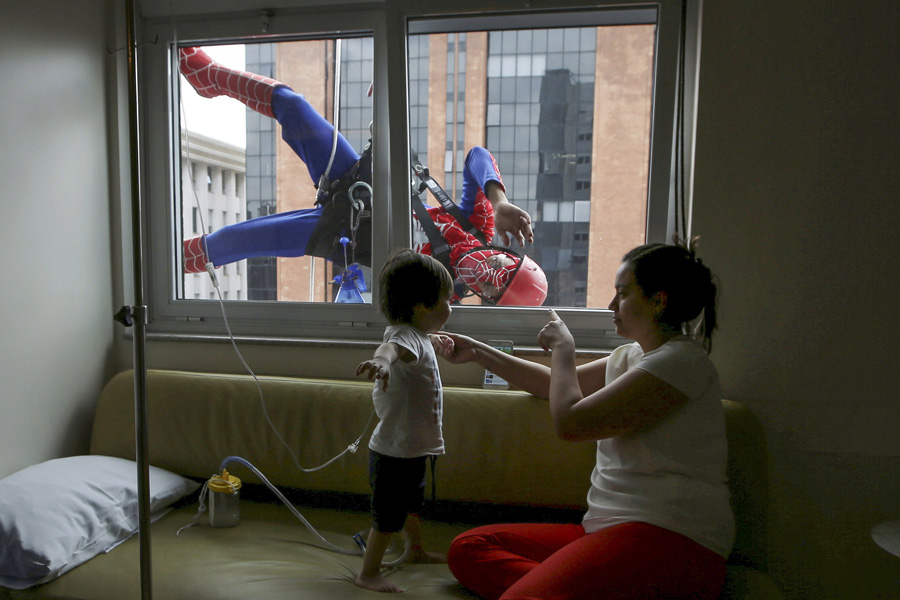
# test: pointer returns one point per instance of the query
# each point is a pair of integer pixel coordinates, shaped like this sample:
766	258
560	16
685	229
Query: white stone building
215	171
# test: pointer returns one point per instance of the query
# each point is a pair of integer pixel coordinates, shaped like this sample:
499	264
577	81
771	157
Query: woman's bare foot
377	584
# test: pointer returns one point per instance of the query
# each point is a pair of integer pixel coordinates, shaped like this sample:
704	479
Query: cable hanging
681	226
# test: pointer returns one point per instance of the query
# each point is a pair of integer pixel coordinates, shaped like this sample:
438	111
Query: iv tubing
297	514
210	269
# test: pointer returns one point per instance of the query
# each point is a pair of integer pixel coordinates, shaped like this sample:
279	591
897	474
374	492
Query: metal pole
140	312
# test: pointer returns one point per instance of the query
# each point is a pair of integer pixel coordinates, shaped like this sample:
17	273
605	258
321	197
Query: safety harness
346	211
439	247
346	208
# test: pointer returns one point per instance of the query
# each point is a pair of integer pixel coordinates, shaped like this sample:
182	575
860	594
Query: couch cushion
269	555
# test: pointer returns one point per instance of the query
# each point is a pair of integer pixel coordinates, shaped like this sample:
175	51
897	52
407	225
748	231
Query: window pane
273	194
567	117
583	211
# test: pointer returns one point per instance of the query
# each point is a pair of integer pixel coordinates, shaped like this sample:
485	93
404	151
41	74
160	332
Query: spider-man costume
289	234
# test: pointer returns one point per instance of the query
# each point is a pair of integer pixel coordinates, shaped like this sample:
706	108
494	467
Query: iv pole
138	312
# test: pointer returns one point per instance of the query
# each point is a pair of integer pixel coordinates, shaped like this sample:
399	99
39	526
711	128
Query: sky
221	118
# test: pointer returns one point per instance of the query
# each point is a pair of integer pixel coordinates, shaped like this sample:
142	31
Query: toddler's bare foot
377	583
420	556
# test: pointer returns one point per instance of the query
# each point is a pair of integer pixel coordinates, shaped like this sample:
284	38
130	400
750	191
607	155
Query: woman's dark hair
689	285
409	279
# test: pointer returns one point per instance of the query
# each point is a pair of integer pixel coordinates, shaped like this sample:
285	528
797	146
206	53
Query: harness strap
447	202
439	247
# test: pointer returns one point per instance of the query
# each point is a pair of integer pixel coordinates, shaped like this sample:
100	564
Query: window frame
389	24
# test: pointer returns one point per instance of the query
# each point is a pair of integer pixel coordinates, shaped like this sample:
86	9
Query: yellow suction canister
224	496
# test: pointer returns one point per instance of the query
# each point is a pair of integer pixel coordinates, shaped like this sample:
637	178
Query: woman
659	523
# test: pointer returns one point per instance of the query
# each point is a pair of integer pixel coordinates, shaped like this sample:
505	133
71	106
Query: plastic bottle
224	500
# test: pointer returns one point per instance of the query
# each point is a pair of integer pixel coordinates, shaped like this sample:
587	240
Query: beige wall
795	197
57	299
796	194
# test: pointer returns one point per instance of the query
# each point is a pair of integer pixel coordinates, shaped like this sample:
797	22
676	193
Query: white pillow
58	514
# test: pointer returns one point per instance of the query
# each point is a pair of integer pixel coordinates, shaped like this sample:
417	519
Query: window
278	187
533	88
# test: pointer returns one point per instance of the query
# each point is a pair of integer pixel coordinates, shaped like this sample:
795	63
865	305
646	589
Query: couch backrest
500	446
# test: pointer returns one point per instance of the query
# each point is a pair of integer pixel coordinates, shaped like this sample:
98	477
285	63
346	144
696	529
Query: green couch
502	461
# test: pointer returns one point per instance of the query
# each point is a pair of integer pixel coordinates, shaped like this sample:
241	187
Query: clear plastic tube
296	513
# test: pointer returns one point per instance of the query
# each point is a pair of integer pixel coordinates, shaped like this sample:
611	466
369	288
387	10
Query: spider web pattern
210	79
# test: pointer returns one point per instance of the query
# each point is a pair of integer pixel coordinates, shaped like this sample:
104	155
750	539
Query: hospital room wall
796	190
55	307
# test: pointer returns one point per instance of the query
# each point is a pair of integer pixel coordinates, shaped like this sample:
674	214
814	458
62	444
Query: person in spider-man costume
500	277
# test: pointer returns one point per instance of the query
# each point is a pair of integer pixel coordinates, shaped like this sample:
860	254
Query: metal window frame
390	23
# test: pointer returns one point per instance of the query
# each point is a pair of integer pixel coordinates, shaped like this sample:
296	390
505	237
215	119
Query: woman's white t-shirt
410	411
671	474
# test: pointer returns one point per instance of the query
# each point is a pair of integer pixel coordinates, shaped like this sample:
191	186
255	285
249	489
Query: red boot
195	258
211	79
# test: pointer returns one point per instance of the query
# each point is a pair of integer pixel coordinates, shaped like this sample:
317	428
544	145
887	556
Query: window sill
346	344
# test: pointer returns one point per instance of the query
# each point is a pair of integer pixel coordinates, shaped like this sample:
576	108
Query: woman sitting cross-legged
659	522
